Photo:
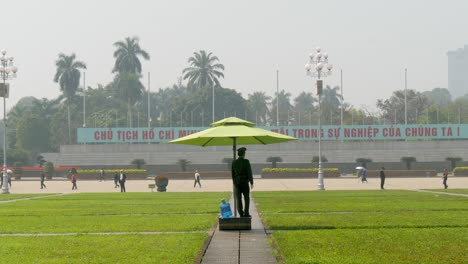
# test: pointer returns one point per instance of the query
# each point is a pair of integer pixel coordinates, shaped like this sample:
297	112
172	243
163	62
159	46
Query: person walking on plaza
445	176
197	179
241	172
73	178
364	175
122	180
382	178
101	174
116	180
42	180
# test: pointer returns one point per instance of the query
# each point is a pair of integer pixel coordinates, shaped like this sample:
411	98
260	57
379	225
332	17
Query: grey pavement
244	246
225	185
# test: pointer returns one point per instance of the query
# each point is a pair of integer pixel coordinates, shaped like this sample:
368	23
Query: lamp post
7	72
318	62
84	99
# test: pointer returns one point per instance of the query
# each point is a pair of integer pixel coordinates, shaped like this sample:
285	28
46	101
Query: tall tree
393	109
127	56
204	70
285	107
128	69
331	101
68	76
304	106
439	96
257	104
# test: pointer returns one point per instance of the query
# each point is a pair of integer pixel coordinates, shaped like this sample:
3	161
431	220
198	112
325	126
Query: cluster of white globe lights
320	60
7	72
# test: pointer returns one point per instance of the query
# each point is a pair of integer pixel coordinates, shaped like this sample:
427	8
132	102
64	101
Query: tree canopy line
42	125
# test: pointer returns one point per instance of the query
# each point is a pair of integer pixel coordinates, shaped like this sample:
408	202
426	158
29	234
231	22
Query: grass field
367	226
19	196
88	214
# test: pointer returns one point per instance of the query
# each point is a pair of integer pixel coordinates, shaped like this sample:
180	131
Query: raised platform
235	223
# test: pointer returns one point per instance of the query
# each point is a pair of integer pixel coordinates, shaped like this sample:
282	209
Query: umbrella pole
233	186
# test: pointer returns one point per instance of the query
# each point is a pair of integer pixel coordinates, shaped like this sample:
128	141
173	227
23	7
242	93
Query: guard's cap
241	151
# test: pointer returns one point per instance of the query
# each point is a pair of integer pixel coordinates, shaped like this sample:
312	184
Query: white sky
372	41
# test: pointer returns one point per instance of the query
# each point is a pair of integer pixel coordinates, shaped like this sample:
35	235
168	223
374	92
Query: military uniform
241	177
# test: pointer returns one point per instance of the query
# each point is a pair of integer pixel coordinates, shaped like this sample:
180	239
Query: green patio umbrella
232	131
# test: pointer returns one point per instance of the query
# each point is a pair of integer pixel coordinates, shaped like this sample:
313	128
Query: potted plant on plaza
17	170
49	170
161	182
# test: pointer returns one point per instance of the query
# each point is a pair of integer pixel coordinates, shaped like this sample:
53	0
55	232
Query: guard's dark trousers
243	189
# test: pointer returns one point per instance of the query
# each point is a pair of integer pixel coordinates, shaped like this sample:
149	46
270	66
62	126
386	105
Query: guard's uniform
241	177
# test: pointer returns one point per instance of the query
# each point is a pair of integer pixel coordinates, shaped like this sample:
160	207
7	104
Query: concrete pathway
245	246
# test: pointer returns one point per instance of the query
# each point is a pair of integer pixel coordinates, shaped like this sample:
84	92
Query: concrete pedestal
235	223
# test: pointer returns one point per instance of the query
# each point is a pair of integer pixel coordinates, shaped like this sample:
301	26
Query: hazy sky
372	41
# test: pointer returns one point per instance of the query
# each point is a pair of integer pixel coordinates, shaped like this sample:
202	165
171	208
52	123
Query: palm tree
257	104
408	161
128	69
183	164
363	161
68	76
453	161
304	103
127	56
129	89
228	162
284	108
204	70
138	163
330	103
274	160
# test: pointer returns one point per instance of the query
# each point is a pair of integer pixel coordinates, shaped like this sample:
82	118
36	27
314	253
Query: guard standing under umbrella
241	177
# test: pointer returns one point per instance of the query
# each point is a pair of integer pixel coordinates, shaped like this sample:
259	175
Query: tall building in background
458	72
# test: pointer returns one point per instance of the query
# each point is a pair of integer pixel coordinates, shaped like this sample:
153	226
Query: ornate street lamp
316	66
7	72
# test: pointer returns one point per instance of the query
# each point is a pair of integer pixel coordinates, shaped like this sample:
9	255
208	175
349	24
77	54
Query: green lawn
8	197
462	191
164	248
367	226
84	213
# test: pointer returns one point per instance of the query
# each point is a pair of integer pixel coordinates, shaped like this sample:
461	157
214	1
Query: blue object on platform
225	209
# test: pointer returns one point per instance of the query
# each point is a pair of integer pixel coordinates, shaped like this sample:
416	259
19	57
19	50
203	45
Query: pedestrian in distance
122	180
101	174
197	179
42	180
382	178
116	180
73	178
241	172
364	175
9	173
445	176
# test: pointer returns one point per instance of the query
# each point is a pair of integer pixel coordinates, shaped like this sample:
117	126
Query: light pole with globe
7	72
318	63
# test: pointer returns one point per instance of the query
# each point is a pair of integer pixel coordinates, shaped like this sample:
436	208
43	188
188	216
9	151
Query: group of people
119	179
363	176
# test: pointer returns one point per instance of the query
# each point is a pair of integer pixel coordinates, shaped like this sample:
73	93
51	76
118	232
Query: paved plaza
347	183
